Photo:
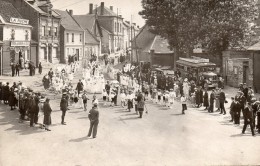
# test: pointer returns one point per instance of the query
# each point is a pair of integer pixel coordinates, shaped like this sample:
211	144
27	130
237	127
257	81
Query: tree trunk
176	56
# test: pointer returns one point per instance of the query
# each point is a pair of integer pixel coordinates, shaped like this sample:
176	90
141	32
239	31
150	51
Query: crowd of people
131	89
32	106
134	80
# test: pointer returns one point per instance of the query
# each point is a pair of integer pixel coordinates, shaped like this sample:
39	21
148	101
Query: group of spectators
32	106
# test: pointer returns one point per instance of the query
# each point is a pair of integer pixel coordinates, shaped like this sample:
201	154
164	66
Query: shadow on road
130	118
177	114
129	114
79	139
243	135
83	118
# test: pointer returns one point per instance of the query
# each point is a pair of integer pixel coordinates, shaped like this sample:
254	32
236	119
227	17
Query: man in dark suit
222	99
248	118
237	111
94	120
63	107
79	87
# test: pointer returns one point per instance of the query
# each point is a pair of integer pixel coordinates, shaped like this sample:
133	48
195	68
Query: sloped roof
86	21
7	10
160	45
107	11
255	47
157	43
67	21
90	39
37	4
106	30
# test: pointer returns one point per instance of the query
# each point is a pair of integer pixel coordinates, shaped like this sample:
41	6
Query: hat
185	79
95	104
253	99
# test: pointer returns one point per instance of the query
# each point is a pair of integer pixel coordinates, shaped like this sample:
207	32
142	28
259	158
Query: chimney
134	24
120	16
111	8
71	12
102	8
91	8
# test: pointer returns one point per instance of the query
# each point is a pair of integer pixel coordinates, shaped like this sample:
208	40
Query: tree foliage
214	24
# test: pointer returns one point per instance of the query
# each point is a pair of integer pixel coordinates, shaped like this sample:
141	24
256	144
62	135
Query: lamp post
49	23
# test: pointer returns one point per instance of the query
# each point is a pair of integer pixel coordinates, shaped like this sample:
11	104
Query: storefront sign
19	21
20	43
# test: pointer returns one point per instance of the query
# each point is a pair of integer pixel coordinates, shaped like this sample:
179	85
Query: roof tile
67	21
7	10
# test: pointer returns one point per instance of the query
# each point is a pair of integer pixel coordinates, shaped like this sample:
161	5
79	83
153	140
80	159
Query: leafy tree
214	24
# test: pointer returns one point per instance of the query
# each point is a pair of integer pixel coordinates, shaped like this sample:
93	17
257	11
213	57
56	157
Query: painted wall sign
19	21
20	43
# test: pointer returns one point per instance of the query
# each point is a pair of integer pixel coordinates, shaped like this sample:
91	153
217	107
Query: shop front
14	52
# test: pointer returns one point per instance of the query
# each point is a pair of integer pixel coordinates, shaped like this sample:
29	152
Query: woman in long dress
206	99
217	103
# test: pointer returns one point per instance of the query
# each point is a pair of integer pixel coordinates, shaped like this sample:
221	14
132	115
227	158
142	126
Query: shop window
26	35
43	30
55	31
49	31
68	40
12	34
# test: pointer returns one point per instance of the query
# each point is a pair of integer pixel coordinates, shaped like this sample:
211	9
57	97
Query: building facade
46	23
15	37
113	23
241	67
71	37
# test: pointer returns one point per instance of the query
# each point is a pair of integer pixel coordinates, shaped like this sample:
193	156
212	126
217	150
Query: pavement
163	137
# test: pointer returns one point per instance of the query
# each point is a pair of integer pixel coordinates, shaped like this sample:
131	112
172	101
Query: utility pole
131	40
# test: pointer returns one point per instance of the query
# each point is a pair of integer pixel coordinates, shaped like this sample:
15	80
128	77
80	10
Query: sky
126	8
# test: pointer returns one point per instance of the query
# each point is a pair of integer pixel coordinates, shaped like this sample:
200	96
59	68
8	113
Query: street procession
154	90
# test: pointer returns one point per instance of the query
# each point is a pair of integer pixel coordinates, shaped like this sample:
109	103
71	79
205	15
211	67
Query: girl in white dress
123	98
171	98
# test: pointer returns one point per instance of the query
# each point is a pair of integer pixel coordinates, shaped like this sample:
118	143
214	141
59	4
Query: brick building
15	37
46	26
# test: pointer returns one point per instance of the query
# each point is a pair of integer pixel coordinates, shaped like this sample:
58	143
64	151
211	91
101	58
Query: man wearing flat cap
63	107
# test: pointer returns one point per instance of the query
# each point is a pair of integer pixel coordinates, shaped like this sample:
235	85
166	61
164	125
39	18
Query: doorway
77	54
245	71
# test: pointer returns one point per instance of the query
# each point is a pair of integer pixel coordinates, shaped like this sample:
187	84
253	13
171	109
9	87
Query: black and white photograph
129	82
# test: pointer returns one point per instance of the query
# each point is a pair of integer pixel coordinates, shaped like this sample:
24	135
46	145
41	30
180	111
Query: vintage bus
197	69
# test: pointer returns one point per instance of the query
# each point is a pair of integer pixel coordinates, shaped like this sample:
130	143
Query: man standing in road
248	118
94	120
63	107
222	99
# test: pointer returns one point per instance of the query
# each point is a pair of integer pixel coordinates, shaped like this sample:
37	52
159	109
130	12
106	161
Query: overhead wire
72	4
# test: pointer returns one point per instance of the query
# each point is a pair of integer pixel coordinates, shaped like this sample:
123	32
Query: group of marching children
163	97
